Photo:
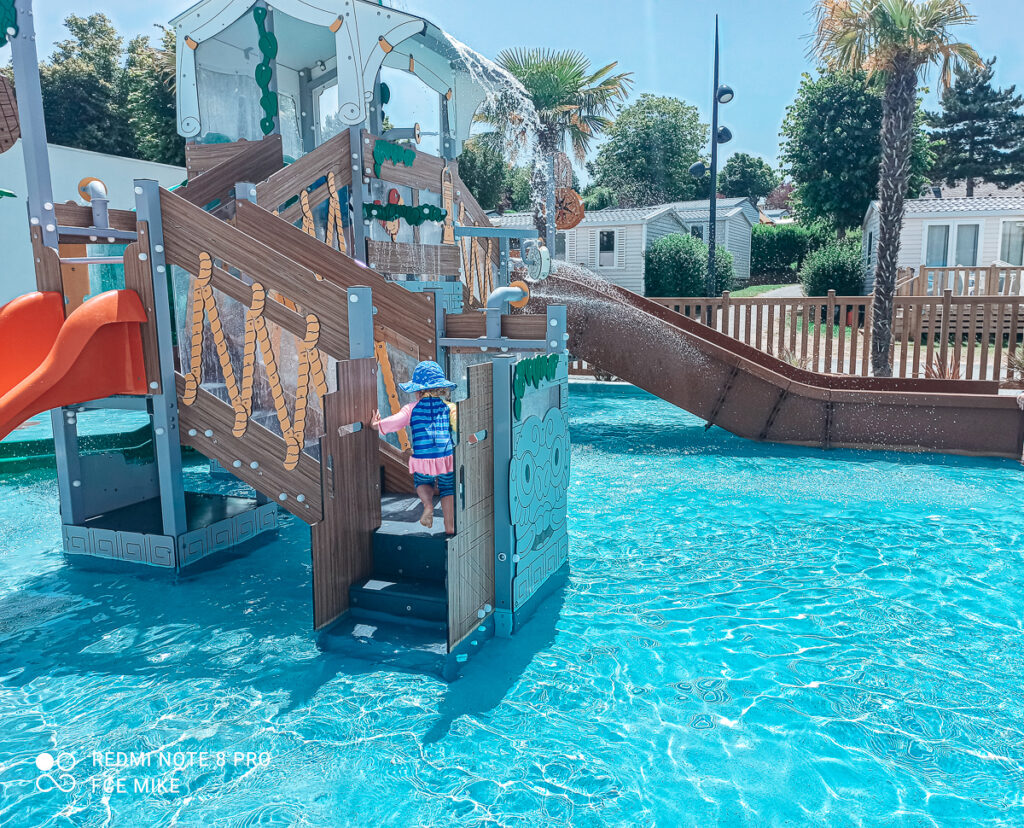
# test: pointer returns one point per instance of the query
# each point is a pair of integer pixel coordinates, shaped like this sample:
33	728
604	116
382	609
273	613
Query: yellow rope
310	368
334	224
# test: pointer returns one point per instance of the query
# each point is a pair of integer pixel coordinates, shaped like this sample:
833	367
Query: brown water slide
754	395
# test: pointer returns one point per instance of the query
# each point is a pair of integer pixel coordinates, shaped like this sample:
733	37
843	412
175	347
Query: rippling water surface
750	635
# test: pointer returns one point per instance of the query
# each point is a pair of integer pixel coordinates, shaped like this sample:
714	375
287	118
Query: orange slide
47	361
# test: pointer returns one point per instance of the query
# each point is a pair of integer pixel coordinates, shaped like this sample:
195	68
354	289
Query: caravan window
606	249
1011	247
697	231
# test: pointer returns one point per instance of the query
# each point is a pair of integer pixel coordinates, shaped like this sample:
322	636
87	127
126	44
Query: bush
837	267
777	251
676	265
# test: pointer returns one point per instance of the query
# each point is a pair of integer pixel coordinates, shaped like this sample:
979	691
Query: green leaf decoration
414	216
385	93
8	21
7	194
395	153
264	71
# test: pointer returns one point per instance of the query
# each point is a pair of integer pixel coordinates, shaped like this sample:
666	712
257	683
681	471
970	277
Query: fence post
723	322
831	314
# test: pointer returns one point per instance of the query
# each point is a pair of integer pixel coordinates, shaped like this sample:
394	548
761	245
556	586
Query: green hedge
676	265
778	251
838	267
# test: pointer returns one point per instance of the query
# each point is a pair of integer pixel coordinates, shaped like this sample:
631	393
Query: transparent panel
1011	248
937	246
967	245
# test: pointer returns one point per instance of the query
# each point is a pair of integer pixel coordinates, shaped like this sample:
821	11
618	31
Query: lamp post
721	94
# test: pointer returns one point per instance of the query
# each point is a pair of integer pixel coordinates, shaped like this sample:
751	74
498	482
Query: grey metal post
439	312
41	214
549	229
504	266
713	198
166	441
446	143
360	322
556	329
245	191
307	122
376	116
360	224
504	532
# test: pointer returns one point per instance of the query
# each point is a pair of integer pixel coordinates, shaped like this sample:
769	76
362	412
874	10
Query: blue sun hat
427	376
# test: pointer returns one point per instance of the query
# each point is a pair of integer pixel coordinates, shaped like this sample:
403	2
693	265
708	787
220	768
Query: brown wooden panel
138	277
259	445
424	174
254	162
76	215
74	277
47	262
395	464
343	540
471	552
200	158
409	314
10	127
331	156
188	230
516	326
422	259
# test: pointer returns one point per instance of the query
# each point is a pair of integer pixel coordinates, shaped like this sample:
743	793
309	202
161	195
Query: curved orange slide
47	361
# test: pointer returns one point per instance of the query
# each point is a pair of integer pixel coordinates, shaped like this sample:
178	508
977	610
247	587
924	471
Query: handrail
252	163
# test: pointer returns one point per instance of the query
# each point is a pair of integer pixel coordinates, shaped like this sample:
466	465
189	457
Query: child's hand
375	419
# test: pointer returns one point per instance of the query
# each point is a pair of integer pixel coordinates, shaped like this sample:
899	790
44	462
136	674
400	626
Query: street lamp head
698	170
724	94
724	135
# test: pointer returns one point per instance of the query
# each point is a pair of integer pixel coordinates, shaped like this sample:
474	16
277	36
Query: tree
979	135
747	176
152	109
572	105
483	170
896	39
84	88
596	197
102	96
676	265
651	146
781	198
830	147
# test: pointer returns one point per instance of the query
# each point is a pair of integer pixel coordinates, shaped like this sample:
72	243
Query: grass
755	290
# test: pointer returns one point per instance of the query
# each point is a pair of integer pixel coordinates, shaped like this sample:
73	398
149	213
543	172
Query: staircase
407	583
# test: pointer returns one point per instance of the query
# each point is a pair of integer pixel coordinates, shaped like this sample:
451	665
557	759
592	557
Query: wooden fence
941	337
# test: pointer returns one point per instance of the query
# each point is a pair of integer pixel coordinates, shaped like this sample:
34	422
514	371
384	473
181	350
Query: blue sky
666	45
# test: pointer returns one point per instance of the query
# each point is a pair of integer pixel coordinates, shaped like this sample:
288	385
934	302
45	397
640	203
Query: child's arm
396	421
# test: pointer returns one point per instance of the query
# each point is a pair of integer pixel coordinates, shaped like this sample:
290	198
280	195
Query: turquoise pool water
750	635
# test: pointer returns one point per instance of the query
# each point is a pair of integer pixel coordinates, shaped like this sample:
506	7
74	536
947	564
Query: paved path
789	291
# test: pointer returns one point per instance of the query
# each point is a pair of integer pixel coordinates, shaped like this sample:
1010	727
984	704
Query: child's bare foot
427	518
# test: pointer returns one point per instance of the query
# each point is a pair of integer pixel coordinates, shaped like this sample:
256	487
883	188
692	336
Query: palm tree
893	39
573	104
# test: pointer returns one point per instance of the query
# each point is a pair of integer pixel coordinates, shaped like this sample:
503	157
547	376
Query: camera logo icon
55	773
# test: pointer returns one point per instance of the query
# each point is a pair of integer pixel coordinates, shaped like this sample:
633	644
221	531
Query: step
404	599
389	643
401	554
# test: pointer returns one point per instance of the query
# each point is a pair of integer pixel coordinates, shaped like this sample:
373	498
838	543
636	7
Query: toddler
431	419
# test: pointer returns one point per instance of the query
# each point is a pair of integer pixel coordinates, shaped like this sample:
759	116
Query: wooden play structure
267	307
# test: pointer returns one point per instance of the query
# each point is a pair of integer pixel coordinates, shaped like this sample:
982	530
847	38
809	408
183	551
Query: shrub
676	265
776	252
837	267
